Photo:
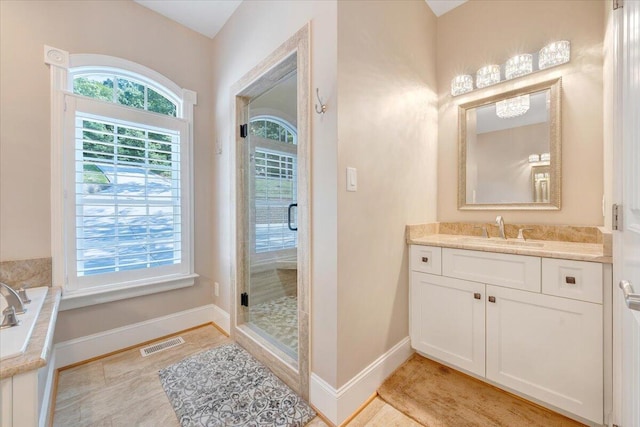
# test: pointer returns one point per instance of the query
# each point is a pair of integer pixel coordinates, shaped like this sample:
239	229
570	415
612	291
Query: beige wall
387	110
610	195
123	29
255	30
387	129
485	31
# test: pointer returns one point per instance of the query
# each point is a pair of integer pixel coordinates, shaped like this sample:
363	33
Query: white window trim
60	62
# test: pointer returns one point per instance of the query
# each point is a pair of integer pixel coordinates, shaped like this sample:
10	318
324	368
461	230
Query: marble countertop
593	252
39	348
580	243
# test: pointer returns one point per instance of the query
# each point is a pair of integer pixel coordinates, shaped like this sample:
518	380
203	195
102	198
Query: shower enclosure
271	175
270	263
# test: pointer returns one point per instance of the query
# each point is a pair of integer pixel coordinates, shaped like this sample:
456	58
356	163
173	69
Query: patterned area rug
226	386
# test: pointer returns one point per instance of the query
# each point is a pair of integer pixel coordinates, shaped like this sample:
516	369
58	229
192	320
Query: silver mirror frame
555	148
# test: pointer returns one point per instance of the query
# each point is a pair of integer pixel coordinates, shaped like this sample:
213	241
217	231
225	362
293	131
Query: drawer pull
492	299
570	280
425	259
477	295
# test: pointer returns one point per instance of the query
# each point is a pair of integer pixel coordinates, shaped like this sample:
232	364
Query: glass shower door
271	177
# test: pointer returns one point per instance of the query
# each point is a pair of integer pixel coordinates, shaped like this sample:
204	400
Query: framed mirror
509	150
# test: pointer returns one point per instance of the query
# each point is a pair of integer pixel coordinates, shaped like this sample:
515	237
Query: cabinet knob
570	280
477	295
492	299
425	259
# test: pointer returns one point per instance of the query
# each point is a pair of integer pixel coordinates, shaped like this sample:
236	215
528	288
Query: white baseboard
222	319
85	348
338	405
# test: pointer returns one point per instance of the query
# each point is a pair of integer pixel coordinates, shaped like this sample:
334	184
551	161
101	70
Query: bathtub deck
38	350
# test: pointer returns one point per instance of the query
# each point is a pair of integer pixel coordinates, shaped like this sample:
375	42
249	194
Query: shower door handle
291	206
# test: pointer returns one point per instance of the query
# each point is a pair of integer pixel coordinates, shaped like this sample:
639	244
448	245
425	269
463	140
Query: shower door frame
293	54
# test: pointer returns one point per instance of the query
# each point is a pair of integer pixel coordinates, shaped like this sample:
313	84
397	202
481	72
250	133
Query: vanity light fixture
518	65
545	157
534	158
461	84
512	107
553	54
487	76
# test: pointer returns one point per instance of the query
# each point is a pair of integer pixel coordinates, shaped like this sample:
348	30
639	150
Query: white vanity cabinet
529	324
447	320
547	347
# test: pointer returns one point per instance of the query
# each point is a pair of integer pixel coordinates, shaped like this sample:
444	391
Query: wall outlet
216	289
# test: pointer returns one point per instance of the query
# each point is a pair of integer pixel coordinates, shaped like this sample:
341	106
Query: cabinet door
547	347
447	320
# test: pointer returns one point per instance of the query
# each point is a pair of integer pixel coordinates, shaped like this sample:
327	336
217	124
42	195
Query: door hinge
616	217
244	130
244	299
618	4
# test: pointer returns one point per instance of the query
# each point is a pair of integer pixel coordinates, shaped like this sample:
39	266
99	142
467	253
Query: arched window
273	128
123	90
126	175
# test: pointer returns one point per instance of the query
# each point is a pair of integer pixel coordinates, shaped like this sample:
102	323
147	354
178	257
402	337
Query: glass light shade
461	84
553	54
512	107
487	76
534	158
545	157
518	65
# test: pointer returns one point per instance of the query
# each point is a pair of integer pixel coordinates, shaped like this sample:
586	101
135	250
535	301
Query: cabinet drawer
572	279
511	271
426	259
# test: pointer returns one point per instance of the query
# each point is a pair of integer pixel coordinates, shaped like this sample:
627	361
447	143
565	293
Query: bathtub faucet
12	297
9	318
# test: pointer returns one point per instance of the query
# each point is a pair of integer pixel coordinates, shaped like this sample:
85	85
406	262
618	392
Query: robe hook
323	107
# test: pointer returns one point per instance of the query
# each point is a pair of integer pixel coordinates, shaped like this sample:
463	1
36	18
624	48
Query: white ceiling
208	16
204	16
440	7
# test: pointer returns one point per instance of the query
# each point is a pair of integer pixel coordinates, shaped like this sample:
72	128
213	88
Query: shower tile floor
124	390
278	318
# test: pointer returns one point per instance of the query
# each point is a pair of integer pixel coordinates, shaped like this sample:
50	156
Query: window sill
101	295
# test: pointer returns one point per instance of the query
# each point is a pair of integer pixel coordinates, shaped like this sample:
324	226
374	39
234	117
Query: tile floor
124	390
278	319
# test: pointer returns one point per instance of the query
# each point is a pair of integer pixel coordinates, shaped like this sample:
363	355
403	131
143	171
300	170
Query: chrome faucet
12	297
9	319
500	224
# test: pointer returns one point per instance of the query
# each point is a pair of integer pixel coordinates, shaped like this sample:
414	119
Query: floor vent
161	346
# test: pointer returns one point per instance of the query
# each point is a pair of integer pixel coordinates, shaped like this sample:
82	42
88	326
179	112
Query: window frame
64	102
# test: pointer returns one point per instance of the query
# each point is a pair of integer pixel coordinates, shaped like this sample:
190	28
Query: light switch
352	179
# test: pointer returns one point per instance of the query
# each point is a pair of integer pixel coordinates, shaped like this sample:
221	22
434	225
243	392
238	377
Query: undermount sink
494	241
